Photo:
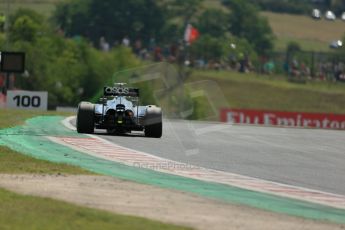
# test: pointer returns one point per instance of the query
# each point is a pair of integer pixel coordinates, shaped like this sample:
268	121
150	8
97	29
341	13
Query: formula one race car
119	112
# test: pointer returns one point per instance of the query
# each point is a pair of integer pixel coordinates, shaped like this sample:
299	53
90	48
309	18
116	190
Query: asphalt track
308	158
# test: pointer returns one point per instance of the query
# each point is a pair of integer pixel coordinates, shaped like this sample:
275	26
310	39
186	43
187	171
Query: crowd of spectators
150	51
178	53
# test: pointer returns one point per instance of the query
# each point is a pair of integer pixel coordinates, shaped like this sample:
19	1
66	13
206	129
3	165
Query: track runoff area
294	164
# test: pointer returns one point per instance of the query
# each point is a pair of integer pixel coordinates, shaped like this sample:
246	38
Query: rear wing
120	91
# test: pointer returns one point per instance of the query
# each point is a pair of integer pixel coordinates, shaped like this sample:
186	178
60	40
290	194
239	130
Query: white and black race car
119	112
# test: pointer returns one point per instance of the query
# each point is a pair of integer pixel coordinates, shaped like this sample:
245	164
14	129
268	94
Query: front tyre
86	117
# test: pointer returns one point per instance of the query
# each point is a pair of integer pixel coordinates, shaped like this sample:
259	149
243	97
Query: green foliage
236	47
33	15
26	25
299	6
247	23
199	106
217	49
24	28
112	19
293	47
2	40
71	70
164	20
338	6
289	6
213	22
187	9
70	15
208	47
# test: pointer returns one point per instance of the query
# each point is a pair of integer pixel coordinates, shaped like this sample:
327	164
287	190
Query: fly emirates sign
289	119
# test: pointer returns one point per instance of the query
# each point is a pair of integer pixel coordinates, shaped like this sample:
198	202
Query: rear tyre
154	130
153	122
86	117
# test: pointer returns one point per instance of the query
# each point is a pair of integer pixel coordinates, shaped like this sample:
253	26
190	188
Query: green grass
14	162
313	35
13	117
251	91
27	212
281	43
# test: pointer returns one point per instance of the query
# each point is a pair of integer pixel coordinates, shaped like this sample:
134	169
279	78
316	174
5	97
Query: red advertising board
289	119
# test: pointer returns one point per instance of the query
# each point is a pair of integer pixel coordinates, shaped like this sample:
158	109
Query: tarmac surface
308	158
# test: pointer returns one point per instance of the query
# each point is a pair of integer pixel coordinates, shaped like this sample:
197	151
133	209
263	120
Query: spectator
137	47
116	43
104	45
286	67
158	57
245	64
144	54
152	44
126	42
242	68
294	68
173	52
269	67
305	71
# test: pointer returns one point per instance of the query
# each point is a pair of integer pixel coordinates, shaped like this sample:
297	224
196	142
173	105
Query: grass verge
27	212
251	91
14	162
13	117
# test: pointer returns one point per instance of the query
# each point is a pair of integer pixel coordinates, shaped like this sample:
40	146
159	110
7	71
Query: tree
24	28
293	47
186	8
338	6
71	70
208	48
245	22
213	22
26	25
112	19
286	6
33	15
